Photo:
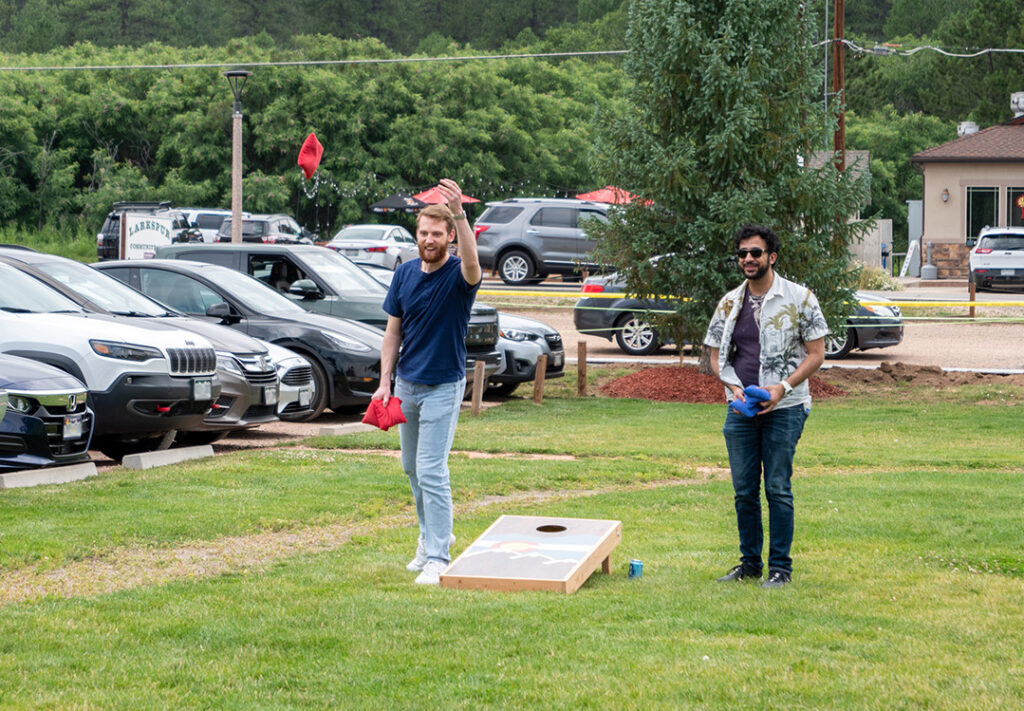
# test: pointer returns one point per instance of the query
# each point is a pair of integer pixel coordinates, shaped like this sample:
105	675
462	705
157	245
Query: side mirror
223	312
306	289
971	241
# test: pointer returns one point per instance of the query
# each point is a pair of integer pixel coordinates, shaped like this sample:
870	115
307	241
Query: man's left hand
452	194
776	391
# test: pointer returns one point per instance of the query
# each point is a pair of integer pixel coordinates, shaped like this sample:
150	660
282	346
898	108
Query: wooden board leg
606	566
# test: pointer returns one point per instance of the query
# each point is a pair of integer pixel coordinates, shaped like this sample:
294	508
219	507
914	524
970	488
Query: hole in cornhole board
535	553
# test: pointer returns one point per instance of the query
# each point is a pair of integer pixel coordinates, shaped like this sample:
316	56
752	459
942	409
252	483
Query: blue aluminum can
636	568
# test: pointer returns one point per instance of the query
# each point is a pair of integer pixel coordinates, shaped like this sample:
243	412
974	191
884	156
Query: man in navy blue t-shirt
428	307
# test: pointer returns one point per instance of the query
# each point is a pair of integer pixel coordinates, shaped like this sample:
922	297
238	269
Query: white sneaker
420	560
431	574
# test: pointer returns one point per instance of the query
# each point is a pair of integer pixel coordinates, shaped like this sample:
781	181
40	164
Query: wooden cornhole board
535	553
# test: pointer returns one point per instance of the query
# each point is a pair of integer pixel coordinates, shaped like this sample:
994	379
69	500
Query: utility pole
839	141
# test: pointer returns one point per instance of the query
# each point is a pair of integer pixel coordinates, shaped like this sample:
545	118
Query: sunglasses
756	253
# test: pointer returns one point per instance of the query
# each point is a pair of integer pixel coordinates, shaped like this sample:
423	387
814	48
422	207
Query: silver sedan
384	245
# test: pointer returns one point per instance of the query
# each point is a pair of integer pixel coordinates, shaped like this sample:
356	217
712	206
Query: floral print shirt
790	317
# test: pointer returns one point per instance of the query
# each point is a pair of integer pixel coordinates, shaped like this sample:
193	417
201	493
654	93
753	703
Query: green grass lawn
907	592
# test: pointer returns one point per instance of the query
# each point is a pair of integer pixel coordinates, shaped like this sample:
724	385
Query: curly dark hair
766	233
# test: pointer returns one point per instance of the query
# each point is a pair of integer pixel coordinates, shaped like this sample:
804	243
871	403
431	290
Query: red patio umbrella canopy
434	197
609	194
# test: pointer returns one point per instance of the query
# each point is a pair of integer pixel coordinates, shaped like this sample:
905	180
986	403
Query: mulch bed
687	384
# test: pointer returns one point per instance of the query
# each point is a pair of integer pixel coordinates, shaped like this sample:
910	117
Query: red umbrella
609	194
434	197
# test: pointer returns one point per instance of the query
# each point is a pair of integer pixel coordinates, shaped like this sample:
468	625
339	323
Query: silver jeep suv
527	239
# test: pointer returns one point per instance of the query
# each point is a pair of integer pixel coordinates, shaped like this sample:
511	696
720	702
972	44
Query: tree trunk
704	362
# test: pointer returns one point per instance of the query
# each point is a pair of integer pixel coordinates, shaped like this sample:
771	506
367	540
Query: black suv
108	240
526	239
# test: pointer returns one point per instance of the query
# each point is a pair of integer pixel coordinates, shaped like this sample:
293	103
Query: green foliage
724	103
875	279
891	139
71	143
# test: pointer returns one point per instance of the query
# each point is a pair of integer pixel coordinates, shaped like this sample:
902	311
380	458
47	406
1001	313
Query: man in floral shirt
768	333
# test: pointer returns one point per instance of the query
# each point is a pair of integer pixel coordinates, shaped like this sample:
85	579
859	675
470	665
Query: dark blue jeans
764	445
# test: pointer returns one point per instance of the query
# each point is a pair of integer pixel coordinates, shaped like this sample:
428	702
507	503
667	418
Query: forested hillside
72	142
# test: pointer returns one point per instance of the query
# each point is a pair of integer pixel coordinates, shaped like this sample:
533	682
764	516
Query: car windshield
253	293
24	294
360	233
101	289
341	274
1002	242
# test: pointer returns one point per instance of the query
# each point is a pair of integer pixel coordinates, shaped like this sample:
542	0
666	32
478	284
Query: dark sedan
605	310
48	421
344	354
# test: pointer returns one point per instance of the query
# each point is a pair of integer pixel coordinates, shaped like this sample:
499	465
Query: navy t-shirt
434	308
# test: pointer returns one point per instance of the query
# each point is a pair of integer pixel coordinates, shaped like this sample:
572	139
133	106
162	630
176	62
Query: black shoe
776	579
740	572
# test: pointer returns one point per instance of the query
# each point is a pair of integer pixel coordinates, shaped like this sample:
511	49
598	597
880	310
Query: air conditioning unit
966	128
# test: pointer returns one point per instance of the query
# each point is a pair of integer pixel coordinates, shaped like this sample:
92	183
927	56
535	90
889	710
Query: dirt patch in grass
687	384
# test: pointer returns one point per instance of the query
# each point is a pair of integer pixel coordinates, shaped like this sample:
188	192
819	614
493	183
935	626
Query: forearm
810	364
467	251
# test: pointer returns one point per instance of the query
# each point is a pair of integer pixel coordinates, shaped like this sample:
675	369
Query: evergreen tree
725	116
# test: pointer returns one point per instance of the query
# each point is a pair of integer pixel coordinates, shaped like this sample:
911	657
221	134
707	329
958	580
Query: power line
314	62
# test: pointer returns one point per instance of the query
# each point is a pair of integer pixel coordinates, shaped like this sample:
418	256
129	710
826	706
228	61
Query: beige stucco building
970	183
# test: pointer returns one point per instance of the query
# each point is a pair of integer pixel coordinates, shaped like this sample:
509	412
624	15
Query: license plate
304	396
73	427
202	389
1007	272
269	394
351	252
558	359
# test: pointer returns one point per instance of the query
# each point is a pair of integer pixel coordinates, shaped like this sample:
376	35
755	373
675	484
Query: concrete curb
53	475
349	428
163	457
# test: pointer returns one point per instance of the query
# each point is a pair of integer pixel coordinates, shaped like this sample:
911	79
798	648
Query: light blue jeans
432	412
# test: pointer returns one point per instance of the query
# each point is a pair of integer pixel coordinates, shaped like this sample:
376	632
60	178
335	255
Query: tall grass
76	243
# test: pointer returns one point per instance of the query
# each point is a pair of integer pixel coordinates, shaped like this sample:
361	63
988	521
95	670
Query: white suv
143	381
998	257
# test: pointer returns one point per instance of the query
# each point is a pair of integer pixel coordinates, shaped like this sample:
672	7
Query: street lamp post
236	79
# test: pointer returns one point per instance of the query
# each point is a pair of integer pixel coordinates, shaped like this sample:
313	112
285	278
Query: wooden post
478	387
538	378
581	369
970	296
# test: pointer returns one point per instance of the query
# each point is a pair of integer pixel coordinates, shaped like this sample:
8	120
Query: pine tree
724	123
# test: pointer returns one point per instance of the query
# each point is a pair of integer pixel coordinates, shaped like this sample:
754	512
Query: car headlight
515	334
226	362
124	351
880	310
346	343
20	404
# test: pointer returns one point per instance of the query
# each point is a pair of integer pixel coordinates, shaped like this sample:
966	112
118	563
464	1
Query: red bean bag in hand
384	417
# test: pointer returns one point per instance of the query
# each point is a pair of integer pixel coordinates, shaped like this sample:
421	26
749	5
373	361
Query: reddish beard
441	253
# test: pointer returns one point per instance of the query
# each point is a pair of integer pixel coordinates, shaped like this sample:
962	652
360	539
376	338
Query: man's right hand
383	392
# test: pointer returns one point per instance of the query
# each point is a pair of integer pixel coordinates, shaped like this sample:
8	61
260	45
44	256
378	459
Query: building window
982	209
1015	207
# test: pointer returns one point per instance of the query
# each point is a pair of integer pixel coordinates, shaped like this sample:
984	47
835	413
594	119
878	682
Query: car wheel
516	268
501	389
635	336
840	346
318	396
117	449
191	439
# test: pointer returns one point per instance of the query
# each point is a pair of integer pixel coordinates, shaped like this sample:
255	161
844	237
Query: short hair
437	212
766	233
